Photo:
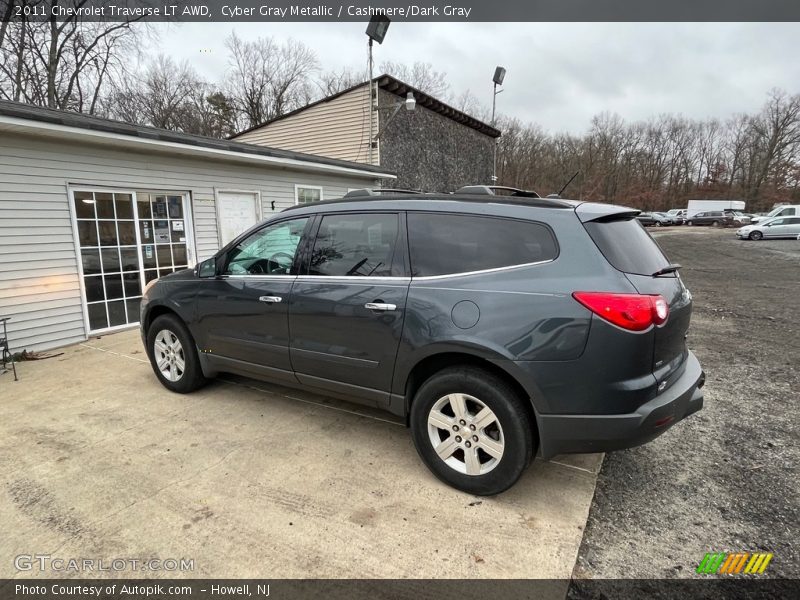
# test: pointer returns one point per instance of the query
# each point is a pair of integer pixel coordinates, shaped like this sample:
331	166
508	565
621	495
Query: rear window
627	246
446	244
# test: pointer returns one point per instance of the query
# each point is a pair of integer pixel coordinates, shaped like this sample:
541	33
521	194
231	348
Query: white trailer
696	206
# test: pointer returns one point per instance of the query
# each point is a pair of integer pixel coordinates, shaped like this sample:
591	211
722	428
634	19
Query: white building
92	209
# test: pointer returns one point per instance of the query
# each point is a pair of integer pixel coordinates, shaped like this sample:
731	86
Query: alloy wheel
169	355
466	434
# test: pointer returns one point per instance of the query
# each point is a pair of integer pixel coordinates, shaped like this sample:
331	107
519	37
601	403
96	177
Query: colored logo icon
732	563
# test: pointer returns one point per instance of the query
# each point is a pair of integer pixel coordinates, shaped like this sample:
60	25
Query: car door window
269	251
355	245
447	244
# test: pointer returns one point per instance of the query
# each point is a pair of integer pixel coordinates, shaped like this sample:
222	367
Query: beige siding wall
338	129
39	282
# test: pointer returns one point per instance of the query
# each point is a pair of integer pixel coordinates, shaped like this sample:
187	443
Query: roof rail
377	192
491	190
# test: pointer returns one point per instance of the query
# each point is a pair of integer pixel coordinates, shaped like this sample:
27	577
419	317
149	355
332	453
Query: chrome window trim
355	278
482	271
253	277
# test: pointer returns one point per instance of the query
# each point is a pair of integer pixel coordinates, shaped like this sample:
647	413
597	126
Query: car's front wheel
472	430
756	235
173	355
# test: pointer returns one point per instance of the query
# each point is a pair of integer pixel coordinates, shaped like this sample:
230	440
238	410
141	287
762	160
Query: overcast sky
559	75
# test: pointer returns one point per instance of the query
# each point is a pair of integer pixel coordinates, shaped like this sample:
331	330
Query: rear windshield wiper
671	268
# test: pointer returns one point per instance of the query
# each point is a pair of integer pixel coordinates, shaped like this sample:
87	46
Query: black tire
715	223
191	377
658	223
756	235
516	431
689	223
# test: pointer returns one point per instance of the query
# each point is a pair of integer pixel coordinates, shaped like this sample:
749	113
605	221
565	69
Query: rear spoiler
595	211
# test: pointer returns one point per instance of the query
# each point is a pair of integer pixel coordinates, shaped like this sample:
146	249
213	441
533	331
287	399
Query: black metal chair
6	353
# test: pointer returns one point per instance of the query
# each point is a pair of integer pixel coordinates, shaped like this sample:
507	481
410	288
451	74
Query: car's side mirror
207	268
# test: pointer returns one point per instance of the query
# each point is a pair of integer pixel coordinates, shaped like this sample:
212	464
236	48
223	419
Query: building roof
400	88
16	116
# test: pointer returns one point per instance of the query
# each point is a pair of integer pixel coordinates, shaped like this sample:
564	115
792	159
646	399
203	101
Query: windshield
775	211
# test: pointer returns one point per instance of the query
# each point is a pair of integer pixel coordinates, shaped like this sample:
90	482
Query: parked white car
785	210
777	227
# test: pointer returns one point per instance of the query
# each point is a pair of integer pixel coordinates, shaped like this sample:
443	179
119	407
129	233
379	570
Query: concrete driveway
253	480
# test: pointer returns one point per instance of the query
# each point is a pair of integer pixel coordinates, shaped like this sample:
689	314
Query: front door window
268	251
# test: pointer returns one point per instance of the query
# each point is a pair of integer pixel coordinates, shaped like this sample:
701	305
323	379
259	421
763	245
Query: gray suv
495	325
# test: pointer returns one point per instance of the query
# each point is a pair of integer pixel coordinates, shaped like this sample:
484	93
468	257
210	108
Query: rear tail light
634	312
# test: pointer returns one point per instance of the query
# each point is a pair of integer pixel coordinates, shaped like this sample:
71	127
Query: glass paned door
162	230
125	241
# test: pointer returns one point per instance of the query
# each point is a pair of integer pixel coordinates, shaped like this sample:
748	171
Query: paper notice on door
177	226
162	232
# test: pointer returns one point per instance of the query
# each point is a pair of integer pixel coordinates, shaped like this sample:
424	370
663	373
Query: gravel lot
726	479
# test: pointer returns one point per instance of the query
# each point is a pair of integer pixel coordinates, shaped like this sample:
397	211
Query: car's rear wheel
658	223
715	223
472	430
756	235
173	355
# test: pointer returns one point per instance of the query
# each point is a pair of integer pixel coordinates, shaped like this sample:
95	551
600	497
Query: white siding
337	128
39	283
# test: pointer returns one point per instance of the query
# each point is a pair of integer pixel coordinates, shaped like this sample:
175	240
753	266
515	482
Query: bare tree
421	76
5	17
467	102
268	79
664	161
62	63
171	95
332	82
777	139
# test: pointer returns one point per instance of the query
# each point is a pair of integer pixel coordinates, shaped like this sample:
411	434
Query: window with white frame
305	194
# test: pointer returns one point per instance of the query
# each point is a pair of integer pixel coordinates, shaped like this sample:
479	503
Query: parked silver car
740	218
780	227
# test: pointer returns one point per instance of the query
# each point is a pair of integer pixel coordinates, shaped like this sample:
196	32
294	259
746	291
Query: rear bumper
565	434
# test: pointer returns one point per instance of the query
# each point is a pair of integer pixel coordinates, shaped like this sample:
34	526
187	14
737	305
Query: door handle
270	299
380	306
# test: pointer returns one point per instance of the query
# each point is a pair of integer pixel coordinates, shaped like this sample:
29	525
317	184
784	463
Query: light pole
499	75
376	31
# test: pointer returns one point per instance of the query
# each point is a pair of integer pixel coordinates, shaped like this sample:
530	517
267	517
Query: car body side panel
515	327
176	292
334	337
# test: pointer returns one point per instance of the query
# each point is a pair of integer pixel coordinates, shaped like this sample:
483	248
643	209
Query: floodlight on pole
377	27
376	32
499	76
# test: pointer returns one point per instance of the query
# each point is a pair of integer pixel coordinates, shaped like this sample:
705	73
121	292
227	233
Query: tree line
102	69
662	162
